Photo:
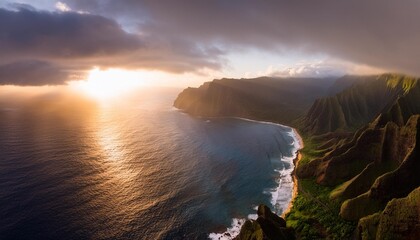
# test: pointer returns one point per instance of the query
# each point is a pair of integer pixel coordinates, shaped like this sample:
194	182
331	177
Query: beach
295	179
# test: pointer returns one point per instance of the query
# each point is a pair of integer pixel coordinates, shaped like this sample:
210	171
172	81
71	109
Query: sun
108	84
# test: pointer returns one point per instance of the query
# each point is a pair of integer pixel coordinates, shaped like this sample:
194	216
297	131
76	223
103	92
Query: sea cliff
360	154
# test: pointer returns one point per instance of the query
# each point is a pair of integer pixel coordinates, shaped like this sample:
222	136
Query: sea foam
280	196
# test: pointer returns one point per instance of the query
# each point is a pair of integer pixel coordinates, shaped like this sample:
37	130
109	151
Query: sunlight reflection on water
75	169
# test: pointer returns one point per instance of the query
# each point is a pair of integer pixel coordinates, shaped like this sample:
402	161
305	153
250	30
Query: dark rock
267	226
265	213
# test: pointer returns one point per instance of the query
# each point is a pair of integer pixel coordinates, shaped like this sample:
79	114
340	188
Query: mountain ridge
264	98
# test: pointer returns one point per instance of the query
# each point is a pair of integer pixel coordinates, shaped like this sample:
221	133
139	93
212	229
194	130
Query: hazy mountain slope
347	81
361	103
276	99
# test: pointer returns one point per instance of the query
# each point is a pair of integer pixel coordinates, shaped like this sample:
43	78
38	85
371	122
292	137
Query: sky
186	42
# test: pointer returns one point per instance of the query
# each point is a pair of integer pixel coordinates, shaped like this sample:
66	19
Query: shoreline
236	226
234	230
296	160
298	144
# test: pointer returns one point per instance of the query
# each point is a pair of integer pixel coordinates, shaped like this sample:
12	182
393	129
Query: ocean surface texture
138	169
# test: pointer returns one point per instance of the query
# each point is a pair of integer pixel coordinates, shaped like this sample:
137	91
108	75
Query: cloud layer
191	35
31	73
380	33
70	43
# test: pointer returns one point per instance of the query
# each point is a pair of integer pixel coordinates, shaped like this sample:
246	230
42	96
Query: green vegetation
314	215
319	212
399	219
351	167
310	151
335	194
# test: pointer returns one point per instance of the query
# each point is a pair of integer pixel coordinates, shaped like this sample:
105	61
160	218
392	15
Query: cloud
321	68
194	35
60	36
31	72
77	42
383	34
62	7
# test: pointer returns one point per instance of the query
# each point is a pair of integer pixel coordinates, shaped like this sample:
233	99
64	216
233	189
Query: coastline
295	179
234	230
300	144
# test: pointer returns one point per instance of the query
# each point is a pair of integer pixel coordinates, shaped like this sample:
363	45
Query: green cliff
360	103
379	162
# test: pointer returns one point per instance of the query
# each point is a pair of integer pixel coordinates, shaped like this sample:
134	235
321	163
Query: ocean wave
280	196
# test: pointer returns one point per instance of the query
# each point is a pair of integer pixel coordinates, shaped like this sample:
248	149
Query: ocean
135	169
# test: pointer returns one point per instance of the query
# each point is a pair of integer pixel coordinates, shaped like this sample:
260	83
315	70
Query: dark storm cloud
34	42
29	33
380	33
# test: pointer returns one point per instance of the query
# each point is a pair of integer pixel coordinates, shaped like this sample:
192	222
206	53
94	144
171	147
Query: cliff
359	104
380	162
276	99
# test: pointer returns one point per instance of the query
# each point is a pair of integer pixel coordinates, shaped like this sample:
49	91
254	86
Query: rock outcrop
268	226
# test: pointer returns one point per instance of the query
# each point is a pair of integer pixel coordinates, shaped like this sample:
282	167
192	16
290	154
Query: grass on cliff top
315	216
